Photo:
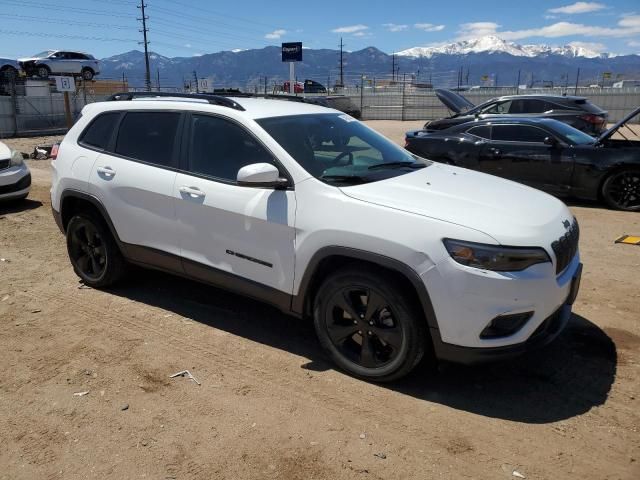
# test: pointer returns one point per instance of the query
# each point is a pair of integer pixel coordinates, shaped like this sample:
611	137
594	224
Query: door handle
193	192
108	171
495	151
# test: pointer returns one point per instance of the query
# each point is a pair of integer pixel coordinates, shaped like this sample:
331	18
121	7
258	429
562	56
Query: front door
235	234
519	153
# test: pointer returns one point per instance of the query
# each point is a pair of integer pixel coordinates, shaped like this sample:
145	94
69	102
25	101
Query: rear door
228	232
134	181
518	152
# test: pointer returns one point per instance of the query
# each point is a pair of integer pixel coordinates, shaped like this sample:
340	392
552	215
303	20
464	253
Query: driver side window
219	148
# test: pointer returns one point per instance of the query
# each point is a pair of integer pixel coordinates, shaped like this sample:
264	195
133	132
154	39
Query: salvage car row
545	149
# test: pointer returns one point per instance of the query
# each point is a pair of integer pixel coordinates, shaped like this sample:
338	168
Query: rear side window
98	133
219	148
528	106
518	133
148	136
483	131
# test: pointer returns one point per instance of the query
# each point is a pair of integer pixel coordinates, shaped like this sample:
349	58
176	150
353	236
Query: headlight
16	158
492	257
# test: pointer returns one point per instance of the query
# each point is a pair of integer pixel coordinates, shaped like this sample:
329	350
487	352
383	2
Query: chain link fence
34	107
411	103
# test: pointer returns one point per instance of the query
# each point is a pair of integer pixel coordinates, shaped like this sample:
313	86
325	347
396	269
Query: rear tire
367	326
8	74
93	252
621	190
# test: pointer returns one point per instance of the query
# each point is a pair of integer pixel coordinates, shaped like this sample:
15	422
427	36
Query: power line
65	22
62	35
50	6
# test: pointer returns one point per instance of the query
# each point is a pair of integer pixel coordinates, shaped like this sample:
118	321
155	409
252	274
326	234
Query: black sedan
575	111
543	153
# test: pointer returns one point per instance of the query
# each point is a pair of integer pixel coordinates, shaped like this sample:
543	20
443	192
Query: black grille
4	164
566	247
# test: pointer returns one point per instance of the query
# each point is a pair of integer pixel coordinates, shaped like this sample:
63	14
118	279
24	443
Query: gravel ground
270	405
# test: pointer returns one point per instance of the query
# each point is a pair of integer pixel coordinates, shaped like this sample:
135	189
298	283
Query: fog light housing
505	325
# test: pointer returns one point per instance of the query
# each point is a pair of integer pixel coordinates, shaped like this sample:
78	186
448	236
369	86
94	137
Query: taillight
54	151
595	119
406	142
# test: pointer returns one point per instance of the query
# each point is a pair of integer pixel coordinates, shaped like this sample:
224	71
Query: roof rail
220	100
271	96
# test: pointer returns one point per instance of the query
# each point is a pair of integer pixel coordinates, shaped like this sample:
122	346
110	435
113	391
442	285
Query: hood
5	151
28	59
511	213
607	134
454	101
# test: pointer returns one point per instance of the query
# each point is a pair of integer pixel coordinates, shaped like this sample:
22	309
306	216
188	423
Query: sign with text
205	85
292	52
65	84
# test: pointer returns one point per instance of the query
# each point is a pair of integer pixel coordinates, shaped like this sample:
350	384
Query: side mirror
261	175
551	141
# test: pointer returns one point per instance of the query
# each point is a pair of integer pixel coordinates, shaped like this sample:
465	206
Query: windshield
46	53
573	134
337	148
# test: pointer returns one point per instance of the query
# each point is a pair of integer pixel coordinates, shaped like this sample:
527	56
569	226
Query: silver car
61	62
8	69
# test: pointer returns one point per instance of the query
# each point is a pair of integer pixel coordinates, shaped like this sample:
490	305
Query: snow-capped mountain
493	44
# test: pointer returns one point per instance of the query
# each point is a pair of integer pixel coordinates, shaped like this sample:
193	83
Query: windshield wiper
397	165
345	178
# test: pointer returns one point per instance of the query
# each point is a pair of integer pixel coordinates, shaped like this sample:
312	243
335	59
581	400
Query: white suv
396	258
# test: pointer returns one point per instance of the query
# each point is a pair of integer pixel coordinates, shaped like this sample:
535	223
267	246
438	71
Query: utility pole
577	79
341	64
518	84
195	79
158	78
147	77
265	84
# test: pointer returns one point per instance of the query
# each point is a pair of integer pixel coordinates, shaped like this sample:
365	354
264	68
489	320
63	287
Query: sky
184	28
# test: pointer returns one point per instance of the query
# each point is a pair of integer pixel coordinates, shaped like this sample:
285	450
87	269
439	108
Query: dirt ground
270	405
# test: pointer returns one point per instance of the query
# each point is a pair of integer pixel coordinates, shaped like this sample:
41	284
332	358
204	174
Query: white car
303	207
15	177
59	62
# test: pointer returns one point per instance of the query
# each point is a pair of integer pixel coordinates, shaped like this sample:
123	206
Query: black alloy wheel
361	325
94	255
368	326
621	190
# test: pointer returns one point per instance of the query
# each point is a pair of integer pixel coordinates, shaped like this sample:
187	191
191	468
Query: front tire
87	74
93	252
621	190
368	326
43	71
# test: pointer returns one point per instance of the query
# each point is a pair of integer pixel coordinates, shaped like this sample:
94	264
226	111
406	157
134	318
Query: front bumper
547	331
15	182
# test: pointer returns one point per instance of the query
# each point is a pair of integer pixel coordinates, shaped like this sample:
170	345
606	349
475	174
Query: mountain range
475	61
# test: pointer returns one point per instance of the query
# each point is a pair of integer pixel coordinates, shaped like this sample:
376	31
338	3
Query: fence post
404	85
362	96
14	106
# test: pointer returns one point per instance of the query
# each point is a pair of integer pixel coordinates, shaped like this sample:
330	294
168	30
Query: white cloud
634	44
394	27
627	26
276	34
579	7
428	27
593	46
477	29
350	29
